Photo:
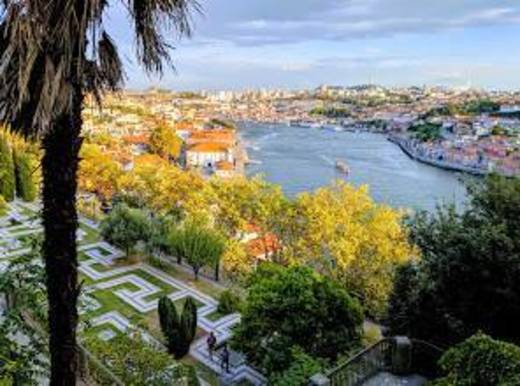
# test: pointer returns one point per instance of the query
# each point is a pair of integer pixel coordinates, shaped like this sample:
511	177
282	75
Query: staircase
396	361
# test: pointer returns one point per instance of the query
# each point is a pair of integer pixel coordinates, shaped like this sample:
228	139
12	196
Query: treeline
18	161
330	112
473	107
426	132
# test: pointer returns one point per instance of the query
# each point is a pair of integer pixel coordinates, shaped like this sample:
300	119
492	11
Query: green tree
289	307
58	52
470	262
196	245
169	321
25	185
7	175
3	206
179	330
22	360
125	227
481	361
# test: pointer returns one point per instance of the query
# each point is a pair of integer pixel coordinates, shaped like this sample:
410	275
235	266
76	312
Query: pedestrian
211	342
224	364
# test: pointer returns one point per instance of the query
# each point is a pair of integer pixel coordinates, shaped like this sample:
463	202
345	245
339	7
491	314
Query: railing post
319	380
401	355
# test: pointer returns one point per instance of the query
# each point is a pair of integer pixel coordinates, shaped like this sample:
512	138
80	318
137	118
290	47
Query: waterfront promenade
413	153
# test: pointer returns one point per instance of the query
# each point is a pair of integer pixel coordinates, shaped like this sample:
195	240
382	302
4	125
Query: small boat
342	167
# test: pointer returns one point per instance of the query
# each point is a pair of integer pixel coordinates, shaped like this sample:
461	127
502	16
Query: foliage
167	189
7	175
136	363
22	360
481	361
295	306
25	185
165	142
236	263
3	206
426	132
198	246
125	227
472	107
303	367
229	302
179	331
331	112
98	172
471	261
340	231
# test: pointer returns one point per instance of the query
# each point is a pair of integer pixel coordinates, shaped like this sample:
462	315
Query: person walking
224	364
211	342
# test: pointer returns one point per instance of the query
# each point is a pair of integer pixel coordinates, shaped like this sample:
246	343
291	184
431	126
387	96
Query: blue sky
241	44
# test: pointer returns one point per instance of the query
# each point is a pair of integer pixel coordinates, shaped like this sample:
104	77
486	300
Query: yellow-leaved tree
342	232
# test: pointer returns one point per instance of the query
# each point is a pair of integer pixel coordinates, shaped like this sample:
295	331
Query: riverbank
410	152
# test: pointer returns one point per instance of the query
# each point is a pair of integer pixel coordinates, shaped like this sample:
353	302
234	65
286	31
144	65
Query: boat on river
342	166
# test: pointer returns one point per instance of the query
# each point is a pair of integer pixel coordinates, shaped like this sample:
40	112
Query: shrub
303	367
481	361
229	302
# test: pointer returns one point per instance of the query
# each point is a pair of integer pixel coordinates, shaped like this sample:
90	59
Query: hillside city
167	218
469	130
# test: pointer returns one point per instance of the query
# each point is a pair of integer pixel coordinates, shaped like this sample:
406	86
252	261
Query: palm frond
152	19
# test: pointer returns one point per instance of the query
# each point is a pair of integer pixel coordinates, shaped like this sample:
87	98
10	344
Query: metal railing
362	366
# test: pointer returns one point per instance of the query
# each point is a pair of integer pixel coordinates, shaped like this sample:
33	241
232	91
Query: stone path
99	267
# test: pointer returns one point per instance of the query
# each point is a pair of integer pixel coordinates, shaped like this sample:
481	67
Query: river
303	159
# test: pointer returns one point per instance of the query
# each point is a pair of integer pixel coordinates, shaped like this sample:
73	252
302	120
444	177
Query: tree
44	80
179	330
196	245
289	307
481	361
22	349
25	185
125	227
7	176
341	232
169	321
98	172
165	142
470	261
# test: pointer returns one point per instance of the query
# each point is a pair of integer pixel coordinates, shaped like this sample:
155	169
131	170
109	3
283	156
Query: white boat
342	166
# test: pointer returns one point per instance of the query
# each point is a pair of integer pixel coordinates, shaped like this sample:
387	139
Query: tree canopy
467	279
296	307
125	227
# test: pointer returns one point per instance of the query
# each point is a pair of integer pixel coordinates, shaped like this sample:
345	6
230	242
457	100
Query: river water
303	159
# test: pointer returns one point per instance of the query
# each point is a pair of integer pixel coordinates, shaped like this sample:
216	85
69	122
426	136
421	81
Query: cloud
356	19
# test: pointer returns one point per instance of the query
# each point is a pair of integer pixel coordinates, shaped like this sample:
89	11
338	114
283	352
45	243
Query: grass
202	285
203	371
216	315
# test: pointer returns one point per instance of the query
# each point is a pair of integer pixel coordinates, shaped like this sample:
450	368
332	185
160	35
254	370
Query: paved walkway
99	266
387	379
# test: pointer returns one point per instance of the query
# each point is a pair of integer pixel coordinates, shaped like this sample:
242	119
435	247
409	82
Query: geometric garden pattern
138	286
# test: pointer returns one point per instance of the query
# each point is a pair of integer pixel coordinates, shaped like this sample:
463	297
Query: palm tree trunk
61	146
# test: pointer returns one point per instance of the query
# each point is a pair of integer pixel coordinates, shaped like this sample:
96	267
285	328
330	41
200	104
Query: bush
303	367
229	302
136	363
481	361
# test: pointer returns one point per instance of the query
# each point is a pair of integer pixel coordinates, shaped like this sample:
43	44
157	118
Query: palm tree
53	53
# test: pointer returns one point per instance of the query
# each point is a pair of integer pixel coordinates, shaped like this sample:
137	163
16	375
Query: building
208	154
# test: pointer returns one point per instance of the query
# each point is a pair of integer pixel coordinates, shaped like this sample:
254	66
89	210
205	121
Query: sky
295	44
